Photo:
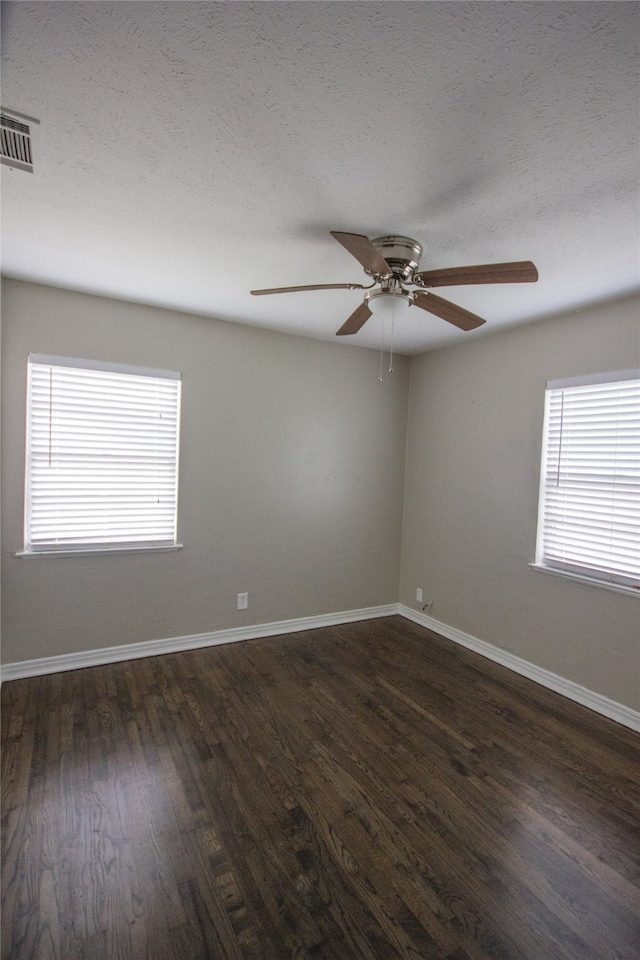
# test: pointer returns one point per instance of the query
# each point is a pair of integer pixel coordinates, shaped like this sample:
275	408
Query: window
589	514
102	457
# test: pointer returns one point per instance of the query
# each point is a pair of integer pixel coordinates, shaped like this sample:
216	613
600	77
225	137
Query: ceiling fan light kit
392	262
388	304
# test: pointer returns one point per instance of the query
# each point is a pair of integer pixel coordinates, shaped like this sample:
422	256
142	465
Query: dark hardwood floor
367	791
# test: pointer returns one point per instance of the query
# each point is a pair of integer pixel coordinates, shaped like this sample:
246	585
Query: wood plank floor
362	792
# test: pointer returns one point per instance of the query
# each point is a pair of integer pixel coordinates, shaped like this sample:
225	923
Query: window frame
96	547
618	582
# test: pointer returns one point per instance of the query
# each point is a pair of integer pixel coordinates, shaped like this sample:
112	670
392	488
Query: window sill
603	584
95	551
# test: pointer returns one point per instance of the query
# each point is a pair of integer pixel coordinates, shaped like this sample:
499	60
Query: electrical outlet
419	595
243	601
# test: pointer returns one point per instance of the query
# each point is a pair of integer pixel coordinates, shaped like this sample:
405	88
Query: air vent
16	148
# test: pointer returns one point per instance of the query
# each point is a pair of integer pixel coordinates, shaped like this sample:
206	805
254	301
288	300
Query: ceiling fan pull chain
393	327
381	347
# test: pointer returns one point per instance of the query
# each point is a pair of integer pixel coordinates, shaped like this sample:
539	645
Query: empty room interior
320	480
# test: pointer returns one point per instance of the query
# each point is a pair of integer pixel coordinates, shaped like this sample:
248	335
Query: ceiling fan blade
454	314
522	271
357	319
364	251
314	286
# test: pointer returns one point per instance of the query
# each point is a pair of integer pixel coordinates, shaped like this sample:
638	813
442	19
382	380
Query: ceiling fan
392	263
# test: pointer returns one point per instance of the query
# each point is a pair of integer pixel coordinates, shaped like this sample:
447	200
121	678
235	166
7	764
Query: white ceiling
189	152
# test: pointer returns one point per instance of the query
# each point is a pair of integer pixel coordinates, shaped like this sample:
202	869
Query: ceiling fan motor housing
401	253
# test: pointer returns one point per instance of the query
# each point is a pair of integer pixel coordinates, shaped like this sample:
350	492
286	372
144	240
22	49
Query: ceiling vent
16	139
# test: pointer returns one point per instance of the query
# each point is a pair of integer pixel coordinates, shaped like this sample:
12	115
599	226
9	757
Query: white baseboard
153	648
573	691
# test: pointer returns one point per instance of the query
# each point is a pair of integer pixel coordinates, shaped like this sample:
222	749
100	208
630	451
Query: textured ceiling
189	152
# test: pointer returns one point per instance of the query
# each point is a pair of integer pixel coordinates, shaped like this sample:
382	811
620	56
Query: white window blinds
589	520
102	456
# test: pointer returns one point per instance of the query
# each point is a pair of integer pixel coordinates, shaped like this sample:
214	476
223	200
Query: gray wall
471	495
291	479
